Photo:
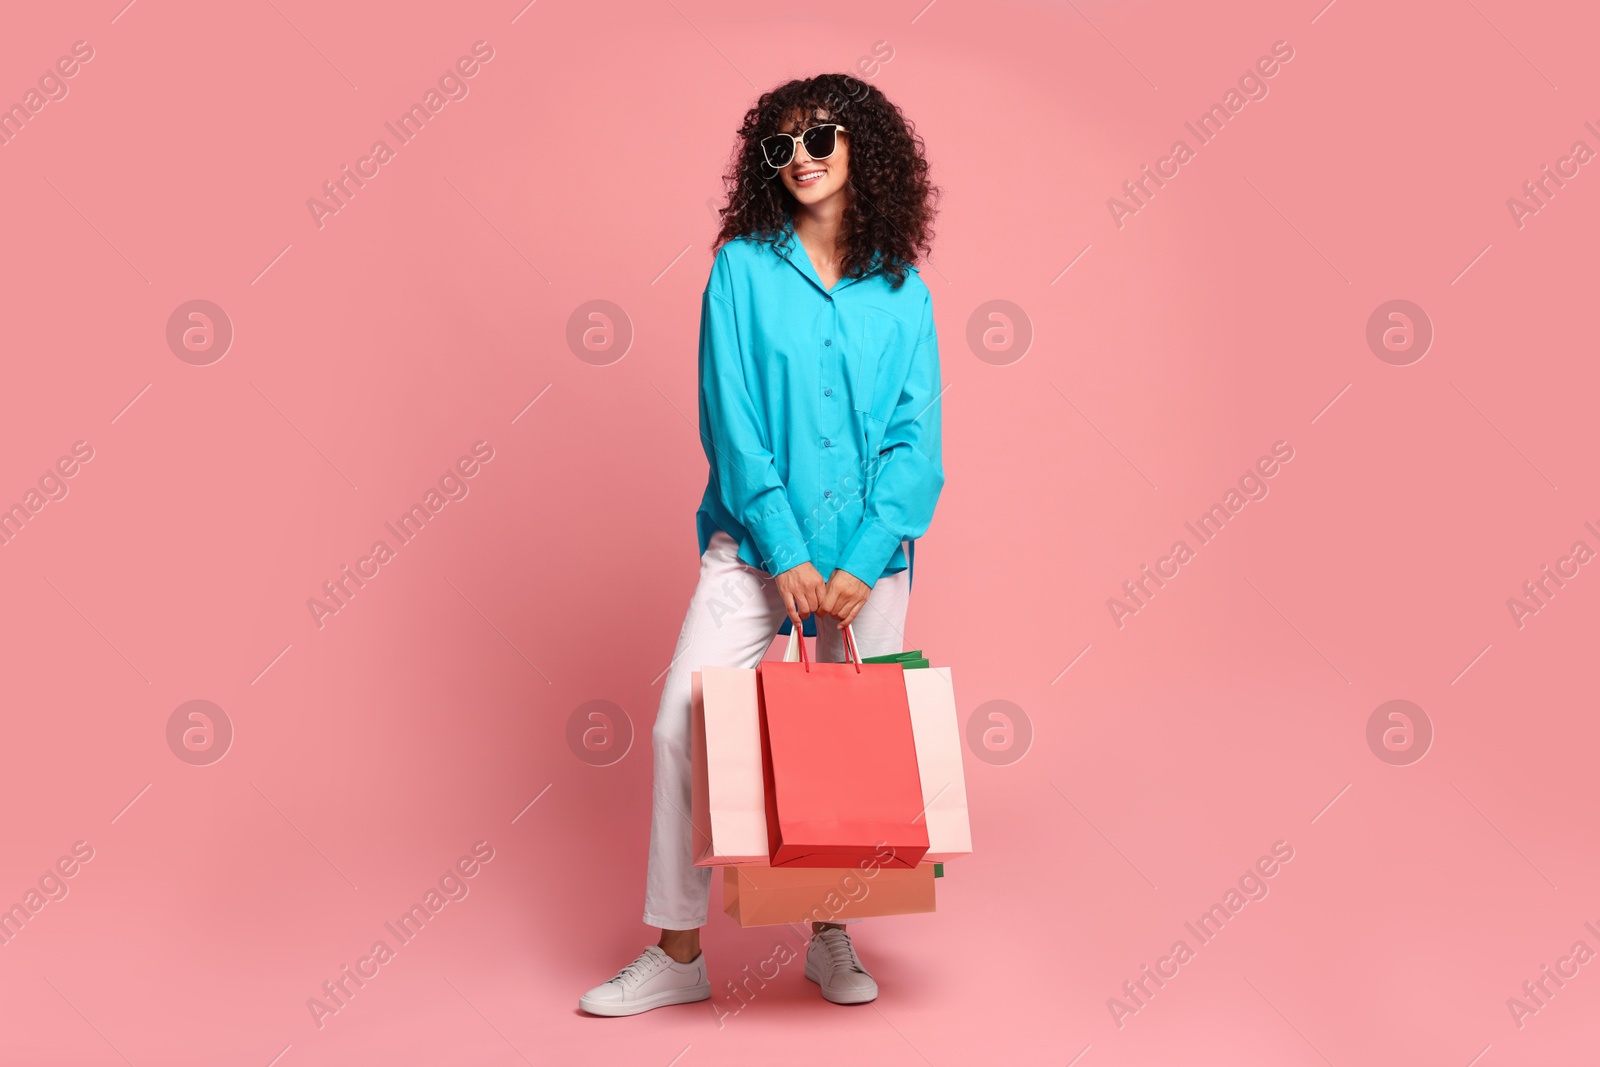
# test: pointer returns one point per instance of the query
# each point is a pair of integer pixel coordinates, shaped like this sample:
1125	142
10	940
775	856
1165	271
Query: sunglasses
820	142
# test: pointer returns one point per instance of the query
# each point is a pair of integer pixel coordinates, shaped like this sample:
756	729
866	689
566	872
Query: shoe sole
657	1000
838	998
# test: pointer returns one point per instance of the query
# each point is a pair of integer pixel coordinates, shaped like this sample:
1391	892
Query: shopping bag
937	729
766	896
730	814
939	759
909	660
839	763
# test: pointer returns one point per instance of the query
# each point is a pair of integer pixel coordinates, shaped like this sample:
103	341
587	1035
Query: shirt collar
789	247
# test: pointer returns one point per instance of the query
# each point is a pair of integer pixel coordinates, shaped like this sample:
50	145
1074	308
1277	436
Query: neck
819	226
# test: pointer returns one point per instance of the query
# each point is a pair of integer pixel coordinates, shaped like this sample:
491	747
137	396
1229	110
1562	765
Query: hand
802	588
844	597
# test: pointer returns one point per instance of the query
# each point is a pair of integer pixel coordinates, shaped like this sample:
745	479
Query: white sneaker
653	980
831	962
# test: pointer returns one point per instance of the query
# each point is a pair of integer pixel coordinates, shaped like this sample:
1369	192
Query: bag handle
796	651
852	654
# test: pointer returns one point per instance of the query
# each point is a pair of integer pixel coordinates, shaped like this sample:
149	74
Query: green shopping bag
907	660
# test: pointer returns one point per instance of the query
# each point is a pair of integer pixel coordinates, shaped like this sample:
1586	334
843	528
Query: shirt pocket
874	361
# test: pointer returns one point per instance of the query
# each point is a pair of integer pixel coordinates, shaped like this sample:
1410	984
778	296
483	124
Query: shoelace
639	968
841	953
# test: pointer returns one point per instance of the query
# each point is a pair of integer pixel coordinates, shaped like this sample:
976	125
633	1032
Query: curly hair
889	207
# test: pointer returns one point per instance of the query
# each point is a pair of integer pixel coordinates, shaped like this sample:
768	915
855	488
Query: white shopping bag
937	730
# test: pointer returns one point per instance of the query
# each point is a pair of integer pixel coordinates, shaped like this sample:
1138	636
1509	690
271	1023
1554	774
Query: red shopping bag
839	761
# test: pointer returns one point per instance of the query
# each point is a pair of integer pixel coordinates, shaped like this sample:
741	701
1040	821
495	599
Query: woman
819	389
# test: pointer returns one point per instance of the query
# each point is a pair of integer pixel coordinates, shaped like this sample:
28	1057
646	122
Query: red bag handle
852	654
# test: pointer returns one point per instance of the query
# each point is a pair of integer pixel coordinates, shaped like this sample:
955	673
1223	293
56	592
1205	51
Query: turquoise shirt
819	412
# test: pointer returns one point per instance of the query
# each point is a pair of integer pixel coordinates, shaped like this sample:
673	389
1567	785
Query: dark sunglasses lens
779	151
819	141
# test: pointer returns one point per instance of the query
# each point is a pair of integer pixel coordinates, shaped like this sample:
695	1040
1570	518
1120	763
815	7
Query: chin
811	194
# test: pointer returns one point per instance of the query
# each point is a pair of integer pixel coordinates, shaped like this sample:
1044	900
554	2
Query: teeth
810	176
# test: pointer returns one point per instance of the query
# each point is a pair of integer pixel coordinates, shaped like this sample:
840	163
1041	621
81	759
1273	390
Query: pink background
1228	714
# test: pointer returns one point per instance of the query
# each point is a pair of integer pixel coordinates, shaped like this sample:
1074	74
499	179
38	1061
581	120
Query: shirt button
826	443
827	392
827	340
827	492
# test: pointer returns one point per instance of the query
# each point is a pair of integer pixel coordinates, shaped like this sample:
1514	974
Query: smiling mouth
809	177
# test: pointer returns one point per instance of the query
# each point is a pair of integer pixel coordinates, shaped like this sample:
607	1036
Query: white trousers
733	616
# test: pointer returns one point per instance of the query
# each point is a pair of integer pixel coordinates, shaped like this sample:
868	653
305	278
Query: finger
789	605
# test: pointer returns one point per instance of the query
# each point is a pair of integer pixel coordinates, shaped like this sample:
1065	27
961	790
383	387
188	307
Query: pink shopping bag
730	815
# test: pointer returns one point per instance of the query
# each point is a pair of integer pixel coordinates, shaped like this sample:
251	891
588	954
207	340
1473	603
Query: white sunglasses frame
799	144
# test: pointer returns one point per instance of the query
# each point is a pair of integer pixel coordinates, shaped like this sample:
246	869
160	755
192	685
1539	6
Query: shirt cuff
778	539
869	552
